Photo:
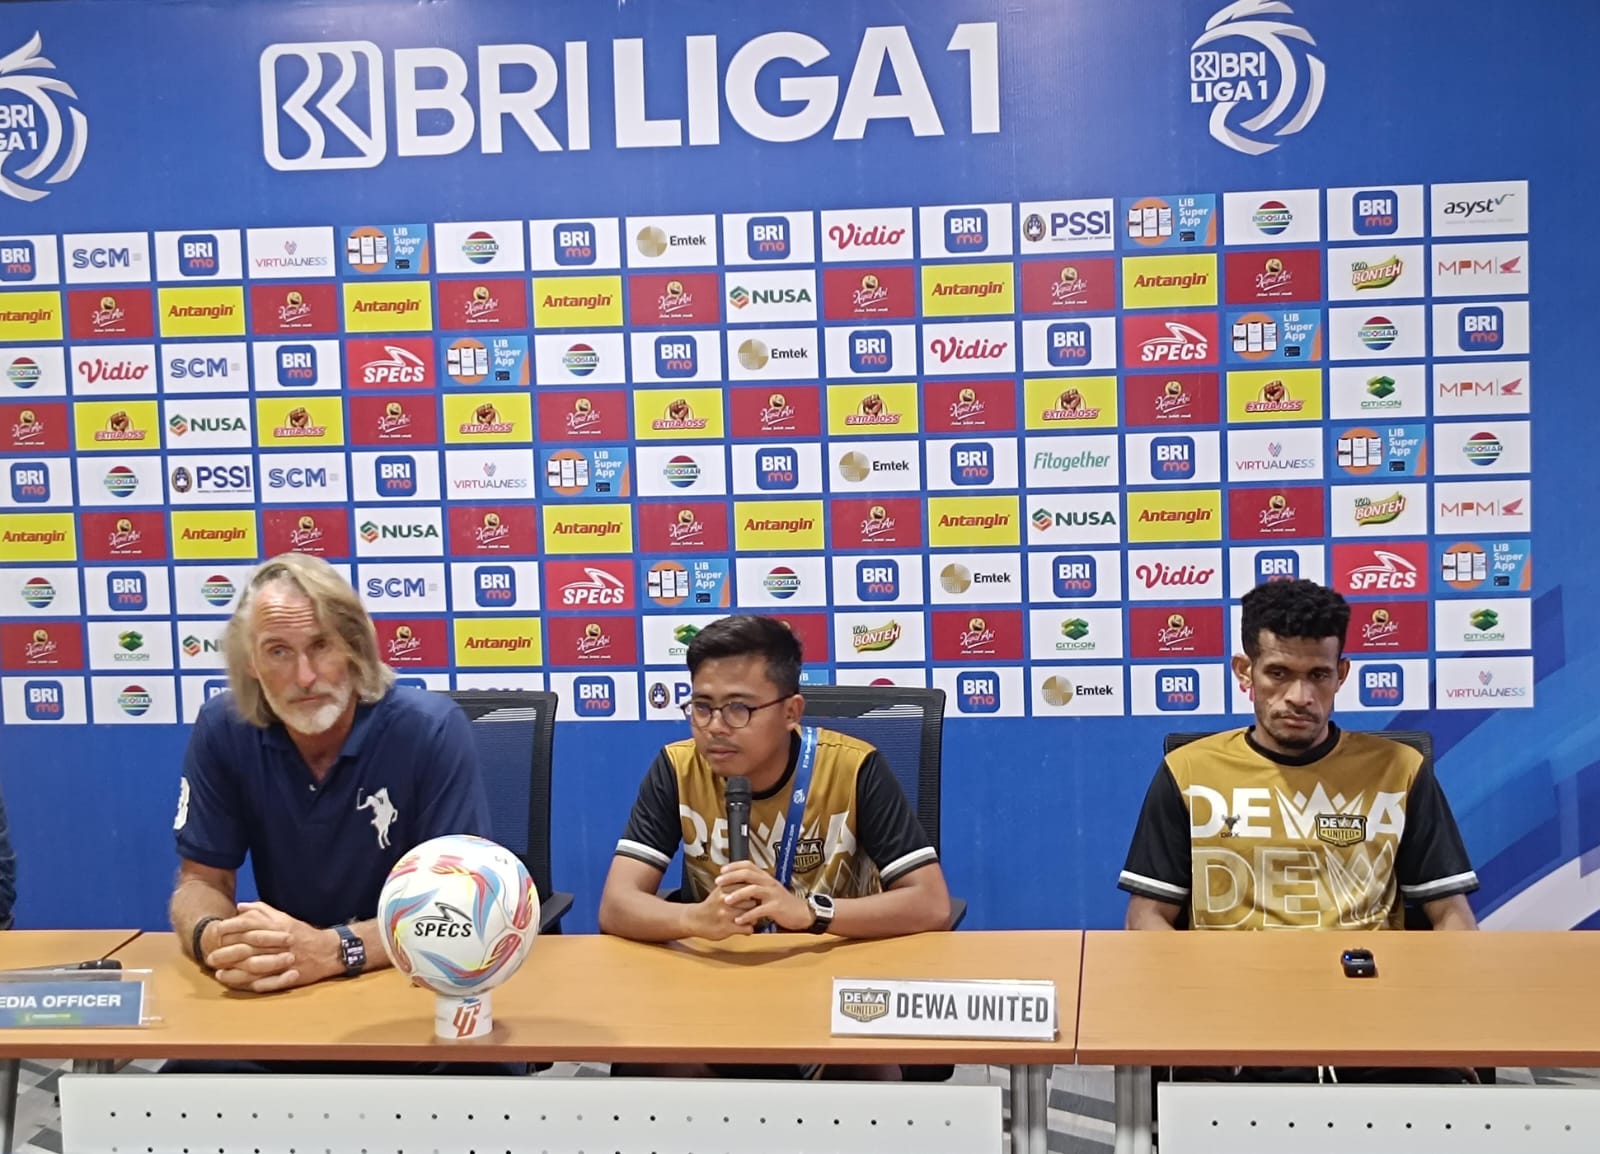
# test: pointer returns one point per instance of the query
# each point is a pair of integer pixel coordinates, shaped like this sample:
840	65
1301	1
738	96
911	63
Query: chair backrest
907	726
1417	739
514	731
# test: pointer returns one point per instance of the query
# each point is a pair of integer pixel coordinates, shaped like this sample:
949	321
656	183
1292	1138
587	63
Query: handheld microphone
738	794
103	969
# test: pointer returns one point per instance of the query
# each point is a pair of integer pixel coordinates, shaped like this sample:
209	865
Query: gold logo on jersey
1341	829
807	854
864	1005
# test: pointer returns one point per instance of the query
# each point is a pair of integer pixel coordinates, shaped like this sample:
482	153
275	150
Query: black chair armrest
958	912
551	911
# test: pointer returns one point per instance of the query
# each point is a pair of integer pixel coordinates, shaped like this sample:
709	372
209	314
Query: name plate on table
70	1005
1021	1011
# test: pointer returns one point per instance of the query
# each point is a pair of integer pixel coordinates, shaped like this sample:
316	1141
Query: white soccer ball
459	915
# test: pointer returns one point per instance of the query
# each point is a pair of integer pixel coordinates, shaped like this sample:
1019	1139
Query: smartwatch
353	951
821	912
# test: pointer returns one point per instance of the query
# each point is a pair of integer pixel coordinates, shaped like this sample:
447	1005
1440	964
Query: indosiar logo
1252	103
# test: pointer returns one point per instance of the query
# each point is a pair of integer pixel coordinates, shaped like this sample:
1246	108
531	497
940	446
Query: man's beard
307	720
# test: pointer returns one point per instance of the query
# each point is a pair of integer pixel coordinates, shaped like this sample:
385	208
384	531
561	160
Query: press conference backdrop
995	347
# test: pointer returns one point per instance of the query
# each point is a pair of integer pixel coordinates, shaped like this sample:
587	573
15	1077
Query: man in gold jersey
835	846
1295	823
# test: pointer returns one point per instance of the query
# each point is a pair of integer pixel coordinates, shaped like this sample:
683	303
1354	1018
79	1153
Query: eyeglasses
735	714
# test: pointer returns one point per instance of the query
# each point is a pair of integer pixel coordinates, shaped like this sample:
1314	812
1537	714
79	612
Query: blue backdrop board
999	347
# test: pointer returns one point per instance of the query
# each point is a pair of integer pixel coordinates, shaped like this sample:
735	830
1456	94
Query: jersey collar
278	734
1314	754
788	771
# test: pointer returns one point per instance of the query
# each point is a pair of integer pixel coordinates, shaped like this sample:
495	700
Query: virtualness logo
1238	82
38	145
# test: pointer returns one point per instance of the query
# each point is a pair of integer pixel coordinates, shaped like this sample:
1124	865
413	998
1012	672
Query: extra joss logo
1266	88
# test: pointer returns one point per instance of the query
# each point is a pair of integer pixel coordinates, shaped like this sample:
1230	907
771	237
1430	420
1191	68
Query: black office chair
515	730
1415	917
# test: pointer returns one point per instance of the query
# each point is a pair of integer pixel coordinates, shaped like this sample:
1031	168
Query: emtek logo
1375	213
495	586
1481	329
197	255
971	463
966	230
1172	458
1277	565
1074	575
1177	690
1069	344
878	579
43	701
30	482
676	357
126	591
1382	686
17	261
871	351
575	245
297	366
396	476
978	692
777	469
768	238
596	696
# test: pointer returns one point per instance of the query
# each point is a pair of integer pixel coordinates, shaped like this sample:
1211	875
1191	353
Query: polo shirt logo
383	813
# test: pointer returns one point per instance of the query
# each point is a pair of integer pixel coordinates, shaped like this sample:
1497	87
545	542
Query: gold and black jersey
858	833
1335	838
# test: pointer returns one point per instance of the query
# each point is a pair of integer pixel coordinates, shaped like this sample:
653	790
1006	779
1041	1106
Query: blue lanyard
797	804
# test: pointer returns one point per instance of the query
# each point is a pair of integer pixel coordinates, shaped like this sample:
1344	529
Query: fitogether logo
1284	83
42	145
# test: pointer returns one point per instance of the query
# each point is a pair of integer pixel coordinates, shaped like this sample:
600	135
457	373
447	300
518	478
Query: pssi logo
595	696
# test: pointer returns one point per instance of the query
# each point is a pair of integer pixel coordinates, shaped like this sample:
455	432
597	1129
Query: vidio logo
1237	82
35	141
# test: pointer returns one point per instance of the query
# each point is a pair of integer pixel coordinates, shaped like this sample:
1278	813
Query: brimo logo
1228	81
323	104
31	123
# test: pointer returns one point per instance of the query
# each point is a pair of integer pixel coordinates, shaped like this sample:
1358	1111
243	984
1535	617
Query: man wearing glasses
836	847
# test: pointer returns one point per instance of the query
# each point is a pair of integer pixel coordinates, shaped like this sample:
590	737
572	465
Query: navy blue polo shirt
321	851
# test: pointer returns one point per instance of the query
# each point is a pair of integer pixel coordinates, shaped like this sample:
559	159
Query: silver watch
821	912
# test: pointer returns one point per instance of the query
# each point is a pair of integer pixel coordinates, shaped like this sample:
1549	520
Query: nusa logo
978	691
126	591
396	476
297	366
1177	690
1382	686
574	244
1074	575
971	463
777	470
1172	458
877	579
494	586
1069	344
595	696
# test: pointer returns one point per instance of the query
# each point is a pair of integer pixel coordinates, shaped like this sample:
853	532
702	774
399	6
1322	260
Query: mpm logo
978	691
1069	344
878	579
768	238
43	701
1382	685
1074	575
595	696
1177	690
396	476
1172	458
495	586
966	230
574	244
971	463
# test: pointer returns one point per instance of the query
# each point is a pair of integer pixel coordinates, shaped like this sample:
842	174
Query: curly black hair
749	635
1293	609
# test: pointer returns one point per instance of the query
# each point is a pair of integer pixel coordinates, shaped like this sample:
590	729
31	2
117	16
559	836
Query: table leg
10	1076
94	1066
1039	1109
1133	1110
1021	1113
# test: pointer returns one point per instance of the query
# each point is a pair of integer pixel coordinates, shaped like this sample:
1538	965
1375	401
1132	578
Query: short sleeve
210	820
887	829
453	797
1159	865
1432	862
654	829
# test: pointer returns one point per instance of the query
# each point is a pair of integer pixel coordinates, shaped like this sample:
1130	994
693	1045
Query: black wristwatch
821	911
352	949
199	932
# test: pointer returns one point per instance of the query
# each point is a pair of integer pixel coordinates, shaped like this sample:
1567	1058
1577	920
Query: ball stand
458	1019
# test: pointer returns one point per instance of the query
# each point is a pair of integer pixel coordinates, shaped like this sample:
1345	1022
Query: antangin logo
864	1005
36	130
1238	82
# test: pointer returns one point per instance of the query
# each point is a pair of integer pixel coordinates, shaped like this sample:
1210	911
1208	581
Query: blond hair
337	609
